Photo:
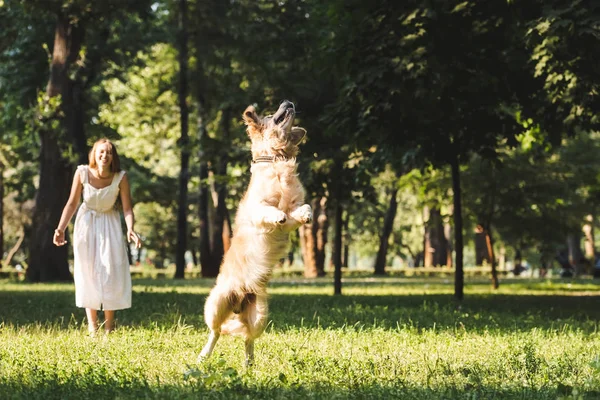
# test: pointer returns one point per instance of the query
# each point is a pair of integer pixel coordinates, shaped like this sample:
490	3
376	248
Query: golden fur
271	208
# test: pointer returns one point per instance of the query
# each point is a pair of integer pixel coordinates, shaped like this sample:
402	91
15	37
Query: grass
385	338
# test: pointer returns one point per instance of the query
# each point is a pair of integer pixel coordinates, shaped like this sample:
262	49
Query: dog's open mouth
285	114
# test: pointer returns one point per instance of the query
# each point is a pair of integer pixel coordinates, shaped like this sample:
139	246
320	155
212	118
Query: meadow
389	337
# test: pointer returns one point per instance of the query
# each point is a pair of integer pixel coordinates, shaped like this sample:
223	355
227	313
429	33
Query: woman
101	266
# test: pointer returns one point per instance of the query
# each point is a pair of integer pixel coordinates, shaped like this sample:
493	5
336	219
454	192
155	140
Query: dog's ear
297	134
251	118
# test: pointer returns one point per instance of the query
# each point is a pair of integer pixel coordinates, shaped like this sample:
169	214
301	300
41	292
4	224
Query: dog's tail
234	327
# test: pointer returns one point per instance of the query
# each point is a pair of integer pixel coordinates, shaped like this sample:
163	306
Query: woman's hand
59	237
132	236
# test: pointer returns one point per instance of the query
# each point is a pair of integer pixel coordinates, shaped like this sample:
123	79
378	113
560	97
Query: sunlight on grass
385	338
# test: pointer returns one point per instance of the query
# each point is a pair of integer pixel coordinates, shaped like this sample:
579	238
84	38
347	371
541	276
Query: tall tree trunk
219	189
337	245
206	265
482	254
435	245
308	241
346	241
1	210
182	233
490	249
307	246
386	231
208	268
427	256
588	231
459	277
46	261
227	229
502	259
576	258
15	248
322	229
448	236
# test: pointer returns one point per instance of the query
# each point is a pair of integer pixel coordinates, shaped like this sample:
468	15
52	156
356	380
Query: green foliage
382	87
561	40
534	184
143	110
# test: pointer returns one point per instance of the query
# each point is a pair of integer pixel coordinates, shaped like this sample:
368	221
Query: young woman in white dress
101	266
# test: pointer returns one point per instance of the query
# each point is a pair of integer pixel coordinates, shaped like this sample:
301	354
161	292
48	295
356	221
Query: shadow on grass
479	312
82	387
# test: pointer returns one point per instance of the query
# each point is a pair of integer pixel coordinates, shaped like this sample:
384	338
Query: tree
182	231
61	115
433	77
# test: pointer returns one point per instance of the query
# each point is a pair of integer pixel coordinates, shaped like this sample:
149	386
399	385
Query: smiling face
274	135
103	155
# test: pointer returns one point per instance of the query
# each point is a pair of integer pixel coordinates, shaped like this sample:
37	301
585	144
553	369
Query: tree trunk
427	256
518	267
1	211
490	249
448	236
482	254
206	261
337	245
459	278
388	227
208	269
588	231
227	230
346	240
15	248
576	258
307	246
46	261
322	228
435	245
221	233
182	231
502	259
308	242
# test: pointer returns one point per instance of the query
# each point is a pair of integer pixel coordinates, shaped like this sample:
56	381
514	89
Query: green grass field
384	338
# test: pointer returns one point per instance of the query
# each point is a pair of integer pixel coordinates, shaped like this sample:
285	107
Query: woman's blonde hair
115	165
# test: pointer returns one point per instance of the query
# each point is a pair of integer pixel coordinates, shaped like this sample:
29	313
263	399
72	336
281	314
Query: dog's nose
286	104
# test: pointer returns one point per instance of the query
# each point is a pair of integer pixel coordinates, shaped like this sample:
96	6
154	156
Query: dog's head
274	134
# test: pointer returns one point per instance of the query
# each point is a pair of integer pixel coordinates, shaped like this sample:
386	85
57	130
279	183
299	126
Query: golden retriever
271	208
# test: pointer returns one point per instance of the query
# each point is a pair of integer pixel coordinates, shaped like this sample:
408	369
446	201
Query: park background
451	162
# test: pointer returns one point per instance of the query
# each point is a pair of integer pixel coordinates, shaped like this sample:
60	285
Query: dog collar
263	159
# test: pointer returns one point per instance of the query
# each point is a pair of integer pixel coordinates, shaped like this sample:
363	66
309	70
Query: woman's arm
128	211
70	208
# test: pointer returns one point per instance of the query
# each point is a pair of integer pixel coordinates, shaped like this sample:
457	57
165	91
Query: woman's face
104	155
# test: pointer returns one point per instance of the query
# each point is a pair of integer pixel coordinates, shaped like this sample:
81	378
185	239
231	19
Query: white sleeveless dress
101	267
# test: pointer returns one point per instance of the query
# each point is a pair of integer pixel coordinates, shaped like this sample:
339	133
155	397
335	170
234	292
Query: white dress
101	267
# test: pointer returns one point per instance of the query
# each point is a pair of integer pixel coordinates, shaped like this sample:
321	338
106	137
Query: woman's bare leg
109	321
92	319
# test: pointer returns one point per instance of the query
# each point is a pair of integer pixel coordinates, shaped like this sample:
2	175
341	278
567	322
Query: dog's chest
278	187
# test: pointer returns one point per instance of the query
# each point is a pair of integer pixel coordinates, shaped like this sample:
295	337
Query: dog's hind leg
249	352
216	311
255	317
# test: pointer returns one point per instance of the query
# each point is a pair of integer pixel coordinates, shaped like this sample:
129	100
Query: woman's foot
109	321
92	321
92	329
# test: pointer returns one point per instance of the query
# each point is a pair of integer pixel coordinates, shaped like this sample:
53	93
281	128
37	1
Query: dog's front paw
276	218
303	214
